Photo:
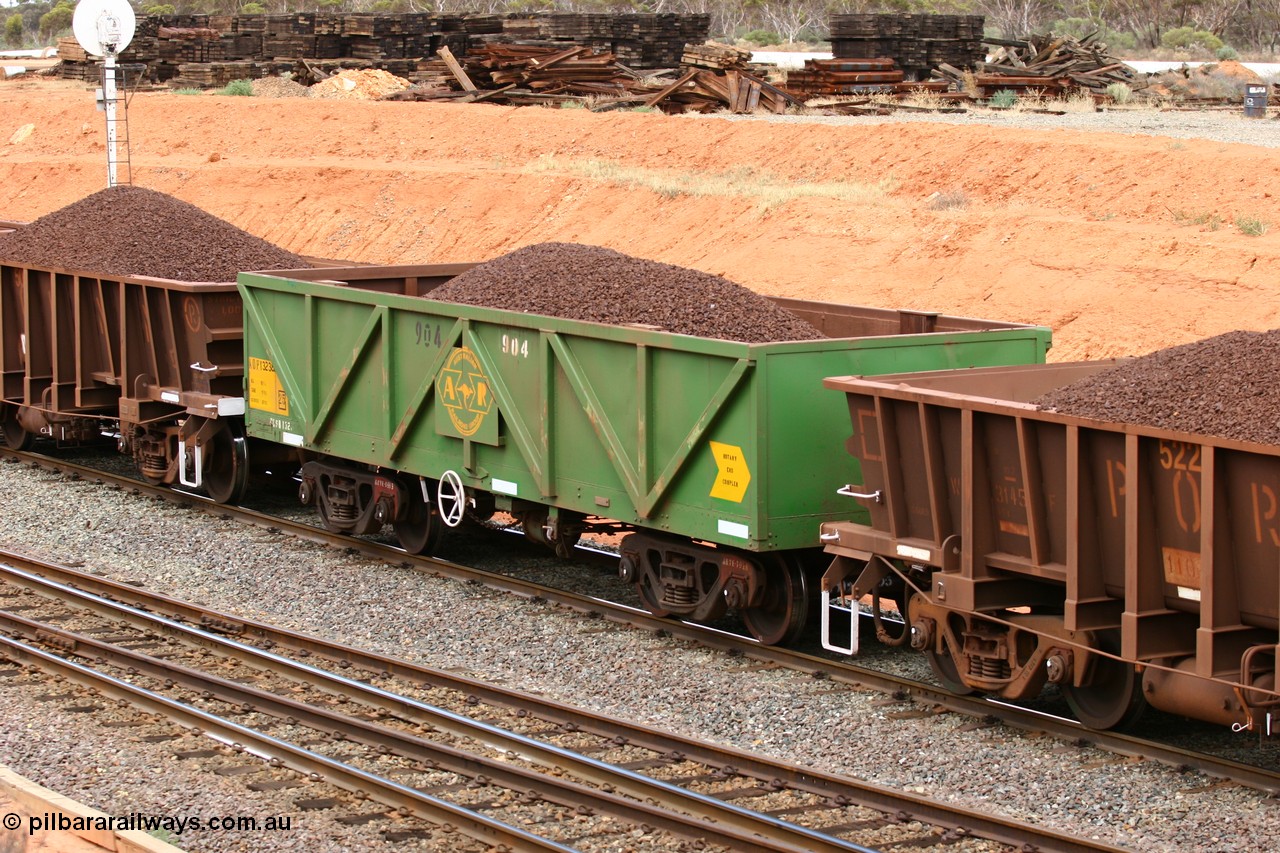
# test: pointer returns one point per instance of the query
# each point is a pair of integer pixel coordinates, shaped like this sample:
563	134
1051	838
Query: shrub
237	87
1251	225
188	90
1190	38
1003	100
1227	53
1120	93
761	37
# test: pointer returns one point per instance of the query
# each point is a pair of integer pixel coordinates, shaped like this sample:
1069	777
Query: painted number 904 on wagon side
515	346
426	333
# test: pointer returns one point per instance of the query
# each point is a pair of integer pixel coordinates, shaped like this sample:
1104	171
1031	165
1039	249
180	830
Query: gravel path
630	674
1217	125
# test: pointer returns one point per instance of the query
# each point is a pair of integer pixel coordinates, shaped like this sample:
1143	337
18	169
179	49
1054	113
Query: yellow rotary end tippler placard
266	394
732	474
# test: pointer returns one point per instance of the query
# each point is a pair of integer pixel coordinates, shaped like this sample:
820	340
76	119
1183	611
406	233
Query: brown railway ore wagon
1128	565
160	362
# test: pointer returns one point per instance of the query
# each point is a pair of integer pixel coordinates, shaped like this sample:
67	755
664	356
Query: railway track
623	776
921	695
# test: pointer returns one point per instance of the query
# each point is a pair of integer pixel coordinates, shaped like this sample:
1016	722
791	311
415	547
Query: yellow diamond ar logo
464	391
732	474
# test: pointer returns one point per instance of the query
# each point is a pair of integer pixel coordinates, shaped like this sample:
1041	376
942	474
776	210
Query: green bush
1252	225
1226	53
237	87
760	37
1190	38
1120	93
188	90
1003	99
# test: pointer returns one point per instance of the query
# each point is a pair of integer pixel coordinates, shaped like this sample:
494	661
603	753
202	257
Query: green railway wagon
719	459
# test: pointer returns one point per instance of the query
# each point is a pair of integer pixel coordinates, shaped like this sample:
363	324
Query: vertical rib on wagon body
1127	564
718	453
84	353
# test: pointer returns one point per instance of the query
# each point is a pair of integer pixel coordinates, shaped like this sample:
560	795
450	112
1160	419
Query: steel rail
750	825
841	789
278	752
841	672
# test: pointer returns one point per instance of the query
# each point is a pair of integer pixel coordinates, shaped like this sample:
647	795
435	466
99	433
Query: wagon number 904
514	346
428	334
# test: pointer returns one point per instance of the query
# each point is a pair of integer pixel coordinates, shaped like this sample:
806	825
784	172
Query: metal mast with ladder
105	28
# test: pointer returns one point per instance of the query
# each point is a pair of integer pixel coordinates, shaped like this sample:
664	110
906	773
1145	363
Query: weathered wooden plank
456	69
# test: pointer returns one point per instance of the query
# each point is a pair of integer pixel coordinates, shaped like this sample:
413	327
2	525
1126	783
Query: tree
14	33
56	21
1016	18
793	18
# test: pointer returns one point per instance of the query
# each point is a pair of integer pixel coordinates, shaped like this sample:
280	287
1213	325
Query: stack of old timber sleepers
715	55
917	43
640	40
1048	65
855	77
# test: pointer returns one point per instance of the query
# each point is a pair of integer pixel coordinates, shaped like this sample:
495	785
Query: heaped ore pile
600	285
131	231
1223	386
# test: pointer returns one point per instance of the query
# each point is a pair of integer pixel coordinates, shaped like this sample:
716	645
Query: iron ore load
1111	528
603	393
119	315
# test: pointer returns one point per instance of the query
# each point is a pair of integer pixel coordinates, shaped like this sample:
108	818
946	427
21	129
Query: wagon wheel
650	597
780	617
331	521
1113	696
421	529
15	437
946	674
226	464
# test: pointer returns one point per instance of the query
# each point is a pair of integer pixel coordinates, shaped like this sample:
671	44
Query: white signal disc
95	21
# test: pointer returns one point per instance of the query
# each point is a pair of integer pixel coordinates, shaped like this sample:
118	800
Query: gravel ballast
131	231
632	674
580	282
1223	386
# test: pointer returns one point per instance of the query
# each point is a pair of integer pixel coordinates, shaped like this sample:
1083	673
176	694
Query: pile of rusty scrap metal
1048	65
526	74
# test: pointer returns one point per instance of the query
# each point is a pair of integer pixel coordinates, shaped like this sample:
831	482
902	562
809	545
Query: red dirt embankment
1109	239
